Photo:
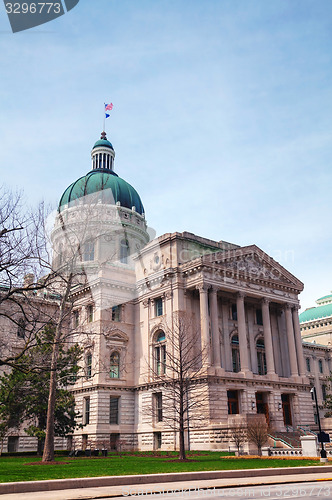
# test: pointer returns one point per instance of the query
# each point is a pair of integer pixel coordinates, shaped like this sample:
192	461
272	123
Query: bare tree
72	240
24	276
239	436
257	433
177	373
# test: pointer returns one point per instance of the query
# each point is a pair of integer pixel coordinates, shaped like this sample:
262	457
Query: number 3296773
33	8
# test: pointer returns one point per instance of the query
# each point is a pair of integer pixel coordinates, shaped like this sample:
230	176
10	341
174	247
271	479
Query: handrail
307	431
281	440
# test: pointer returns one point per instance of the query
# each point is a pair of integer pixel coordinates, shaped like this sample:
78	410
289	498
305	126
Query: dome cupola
103	154
102	182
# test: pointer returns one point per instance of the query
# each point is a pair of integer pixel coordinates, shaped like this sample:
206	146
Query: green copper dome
103	142
316	313
103	182
111	187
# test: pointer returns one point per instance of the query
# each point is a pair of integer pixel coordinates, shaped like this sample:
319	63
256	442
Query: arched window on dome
261	358
115	365
235	353
60	254
124	251
89	250
160	353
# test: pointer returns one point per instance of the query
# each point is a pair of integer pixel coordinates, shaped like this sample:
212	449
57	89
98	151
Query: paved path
185	489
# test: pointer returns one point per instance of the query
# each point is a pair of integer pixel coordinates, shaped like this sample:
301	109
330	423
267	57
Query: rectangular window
159	306
158	401
259	317
307	360
234	312
236	360
114	440
90	313
12	444
233	402
116	313
261	362
160	352
21	328
114	411
324	391
86	411
89	365
320	365
89	251
157	440
76	318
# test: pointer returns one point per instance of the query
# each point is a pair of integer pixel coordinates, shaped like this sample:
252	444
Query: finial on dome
103	135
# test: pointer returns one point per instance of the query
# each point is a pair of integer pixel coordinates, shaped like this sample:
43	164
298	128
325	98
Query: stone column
204	316
291	341
298	342
225	330
215	328
241	325
268	338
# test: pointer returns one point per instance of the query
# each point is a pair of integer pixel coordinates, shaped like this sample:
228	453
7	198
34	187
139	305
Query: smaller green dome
104	143
314	313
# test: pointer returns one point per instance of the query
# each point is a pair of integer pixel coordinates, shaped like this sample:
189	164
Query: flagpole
104	119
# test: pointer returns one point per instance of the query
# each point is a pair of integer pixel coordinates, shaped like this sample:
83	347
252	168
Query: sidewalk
103	487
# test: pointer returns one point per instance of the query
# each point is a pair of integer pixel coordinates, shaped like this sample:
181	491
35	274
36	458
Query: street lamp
322	451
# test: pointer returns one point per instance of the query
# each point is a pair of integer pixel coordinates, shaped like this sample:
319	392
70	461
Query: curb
94	482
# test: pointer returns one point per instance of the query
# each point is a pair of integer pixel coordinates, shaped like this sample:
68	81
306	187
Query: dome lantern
103	154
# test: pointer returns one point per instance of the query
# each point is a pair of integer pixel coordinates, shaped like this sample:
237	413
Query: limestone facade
243	304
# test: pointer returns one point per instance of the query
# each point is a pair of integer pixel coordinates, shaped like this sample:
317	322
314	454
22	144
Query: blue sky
221	119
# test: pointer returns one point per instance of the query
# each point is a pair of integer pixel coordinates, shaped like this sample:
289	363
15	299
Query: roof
111	187
326	298
314	313
104	143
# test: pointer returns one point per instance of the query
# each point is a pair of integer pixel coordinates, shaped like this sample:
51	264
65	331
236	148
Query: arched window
88	365
89	250
60	254
261	358
160	353
235	354
115	365
124	251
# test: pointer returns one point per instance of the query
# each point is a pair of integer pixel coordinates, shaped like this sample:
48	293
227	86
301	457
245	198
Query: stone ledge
93	482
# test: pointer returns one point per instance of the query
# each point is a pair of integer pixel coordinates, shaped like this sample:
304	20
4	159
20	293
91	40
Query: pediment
117	336
252	264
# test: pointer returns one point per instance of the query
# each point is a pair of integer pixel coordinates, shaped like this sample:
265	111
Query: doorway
262	405
286	409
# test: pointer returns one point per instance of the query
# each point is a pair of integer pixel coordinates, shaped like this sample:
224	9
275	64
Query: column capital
287	306
203	287
296	307
240	295
214	289
265	301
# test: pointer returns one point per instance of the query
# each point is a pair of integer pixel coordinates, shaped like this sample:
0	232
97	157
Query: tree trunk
182	453
40	446
48	455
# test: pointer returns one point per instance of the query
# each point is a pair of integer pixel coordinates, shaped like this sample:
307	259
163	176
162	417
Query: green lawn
17	468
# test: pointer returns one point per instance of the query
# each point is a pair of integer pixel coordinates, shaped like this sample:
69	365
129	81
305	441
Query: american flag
108	107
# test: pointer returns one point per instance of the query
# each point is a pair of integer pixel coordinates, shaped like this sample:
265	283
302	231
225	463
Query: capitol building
241	309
